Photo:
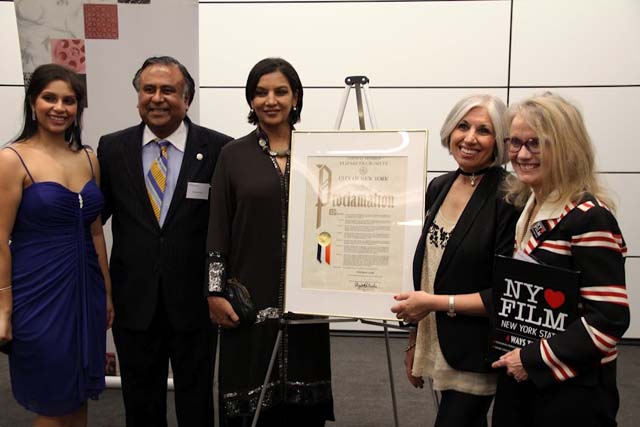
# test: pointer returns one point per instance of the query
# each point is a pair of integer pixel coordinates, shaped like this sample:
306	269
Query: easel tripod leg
391	382
272	362
216	381
434	392
359	104
343	105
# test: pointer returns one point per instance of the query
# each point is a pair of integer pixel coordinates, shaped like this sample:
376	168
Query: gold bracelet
410	347
5	288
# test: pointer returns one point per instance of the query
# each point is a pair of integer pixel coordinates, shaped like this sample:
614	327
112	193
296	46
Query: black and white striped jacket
584	237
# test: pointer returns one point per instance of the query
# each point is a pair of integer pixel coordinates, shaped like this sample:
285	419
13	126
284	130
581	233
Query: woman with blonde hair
570	166
553	157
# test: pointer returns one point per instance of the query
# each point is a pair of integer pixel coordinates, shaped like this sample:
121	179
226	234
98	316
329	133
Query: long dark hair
270	65
40	79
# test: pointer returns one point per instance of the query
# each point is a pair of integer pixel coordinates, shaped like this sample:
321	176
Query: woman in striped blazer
567	221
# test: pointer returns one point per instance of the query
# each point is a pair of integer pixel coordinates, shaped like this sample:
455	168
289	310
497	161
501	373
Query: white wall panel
608	114
633	290
11	119
111	64
568	42
625	190
11	69
226	109
407	44
10	74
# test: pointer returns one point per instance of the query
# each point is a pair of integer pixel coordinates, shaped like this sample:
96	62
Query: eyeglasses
515	144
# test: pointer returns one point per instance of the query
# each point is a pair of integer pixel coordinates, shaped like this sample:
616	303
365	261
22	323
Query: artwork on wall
70	53
55	31
40	22
101	21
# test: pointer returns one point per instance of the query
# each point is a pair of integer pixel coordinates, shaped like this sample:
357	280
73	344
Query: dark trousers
592	403
459	409
144	362
280	416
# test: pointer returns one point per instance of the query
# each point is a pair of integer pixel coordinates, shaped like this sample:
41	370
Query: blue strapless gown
59	310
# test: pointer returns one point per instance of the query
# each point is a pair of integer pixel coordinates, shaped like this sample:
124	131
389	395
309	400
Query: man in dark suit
155	178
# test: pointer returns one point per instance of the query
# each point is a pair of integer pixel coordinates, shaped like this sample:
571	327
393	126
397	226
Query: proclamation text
353	231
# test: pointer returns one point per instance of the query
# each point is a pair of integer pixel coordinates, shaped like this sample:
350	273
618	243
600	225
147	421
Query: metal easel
360	84
285	322
274	354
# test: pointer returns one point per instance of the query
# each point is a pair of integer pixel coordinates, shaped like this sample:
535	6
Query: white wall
11	83
421	58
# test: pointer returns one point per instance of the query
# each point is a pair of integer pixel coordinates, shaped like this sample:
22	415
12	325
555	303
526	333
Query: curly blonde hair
566	152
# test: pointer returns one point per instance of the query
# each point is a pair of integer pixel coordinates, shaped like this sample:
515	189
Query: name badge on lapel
198	190
538	229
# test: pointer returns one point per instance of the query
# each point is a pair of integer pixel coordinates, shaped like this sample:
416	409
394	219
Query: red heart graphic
507	338
555	299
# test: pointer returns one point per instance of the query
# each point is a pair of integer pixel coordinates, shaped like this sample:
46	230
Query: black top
485	227
247	232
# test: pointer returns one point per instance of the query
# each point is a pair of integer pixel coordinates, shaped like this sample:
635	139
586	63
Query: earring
295	108
72	134
33	115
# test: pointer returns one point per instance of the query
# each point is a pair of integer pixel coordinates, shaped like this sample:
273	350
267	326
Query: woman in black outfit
247	241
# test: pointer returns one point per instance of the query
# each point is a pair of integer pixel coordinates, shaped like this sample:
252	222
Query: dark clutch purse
240	300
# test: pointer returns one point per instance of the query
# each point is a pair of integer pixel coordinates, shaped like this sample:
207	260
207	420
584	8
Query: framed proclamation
356	206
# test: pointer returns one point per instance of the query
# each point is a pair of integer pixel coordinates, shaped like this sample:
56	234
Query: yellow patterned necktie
156	179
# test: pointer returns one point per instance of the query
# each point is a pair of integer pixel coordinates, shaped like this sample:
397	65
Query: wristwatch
452	306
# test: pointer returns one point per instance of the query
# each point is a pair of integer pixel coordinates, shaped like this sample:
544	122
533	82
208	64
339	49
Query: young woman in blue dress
55	303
